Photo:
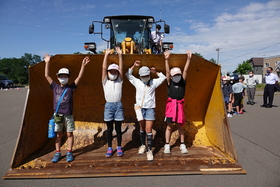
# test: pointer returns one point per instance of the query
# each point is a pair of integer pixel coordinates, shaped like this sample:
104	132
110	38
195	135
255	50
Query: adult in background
156	38
252	81
270	80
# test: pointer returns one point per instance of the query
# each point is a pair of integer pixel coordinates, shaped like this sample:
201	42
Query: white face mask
145	79
112	77
63	80
176	78
250	75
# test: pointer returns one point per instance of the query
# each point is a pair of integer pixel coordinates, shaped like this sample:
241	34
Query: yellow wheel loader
207	130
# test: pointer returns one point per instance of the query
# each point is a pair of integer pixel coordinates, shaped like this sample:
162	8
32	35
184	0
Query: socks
149	140
143	137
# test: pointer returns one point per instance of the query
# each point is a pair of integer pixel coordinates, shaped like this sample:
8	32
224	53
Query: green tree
213	60
244	67
198	54
16	69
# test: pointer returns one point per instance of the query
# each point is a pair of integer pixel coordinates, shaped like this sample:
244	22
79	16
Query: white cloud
241	35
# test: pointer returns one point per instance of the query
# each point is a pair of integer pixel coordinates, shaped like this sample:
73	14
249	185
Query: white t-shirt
156	37
150	99
112	89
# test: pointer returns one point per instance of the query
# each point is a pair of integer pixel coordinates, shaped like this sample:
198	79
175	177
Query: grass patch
260	87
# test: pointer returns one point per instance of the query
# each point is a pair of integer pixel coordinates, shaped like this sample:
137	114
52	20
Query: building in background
257	65
274	62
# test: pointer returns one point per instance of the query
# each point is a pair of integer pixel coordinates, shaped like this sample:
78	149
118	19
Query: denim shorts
148	114
113	111
226	99
69	123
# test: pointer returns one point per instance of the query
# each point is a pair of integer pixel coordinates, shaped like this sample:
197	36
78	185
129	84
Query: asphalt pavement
256	135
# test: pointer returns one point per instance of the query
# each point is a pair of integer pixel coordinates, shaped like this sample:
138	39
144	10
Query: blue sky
241	28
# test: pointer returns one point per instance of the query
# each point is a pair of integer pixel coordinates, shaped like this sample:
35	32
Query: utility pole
218	49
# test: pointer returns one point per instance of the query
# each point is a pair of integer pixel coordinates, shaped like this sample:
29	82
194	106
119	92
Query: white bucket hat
144	71
63	71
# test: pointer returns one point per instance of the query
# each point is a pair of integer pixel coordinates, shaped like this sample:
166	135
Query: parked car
5	82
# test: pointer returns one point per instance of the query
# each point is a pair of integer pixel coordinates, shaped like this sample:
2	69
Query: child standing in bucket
66	105
174	113
145	99
112	79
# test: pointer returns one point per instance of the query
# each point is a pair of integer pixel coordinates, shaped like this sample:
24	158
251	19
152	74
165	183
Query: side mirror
166	29
91	29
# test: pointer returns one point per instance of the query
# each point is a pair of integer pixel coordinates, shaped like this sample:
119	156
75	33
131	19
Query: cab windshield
127	28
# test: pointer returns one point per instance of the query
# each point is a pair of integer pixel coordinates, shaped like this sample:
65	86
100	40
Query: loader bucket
207	130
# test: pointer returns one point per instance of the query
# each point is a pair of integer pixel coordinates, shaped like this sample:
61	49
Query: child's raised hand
137	63
86	60
166	54
119	51
153	70
189	53
108	51
47	58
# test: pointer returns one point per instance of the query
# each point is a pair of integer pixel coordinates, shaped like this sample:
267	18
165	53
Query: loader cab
131	33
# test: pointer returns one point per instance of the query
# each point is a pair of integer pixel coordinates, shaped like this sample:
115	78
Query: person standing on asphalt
252	81
270	80
238	89
228	95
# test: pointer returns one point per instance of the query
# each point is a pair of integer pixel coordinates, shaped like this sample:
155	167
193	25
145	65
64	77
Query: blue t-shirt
66	105
227	90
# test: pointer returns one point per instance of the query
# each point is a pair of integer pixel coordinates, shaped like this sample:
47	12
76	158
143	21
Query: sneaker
235	113
142	149
56	157
229	115
119	151
241	112
109	152
150	156
166	148
69	157
183	149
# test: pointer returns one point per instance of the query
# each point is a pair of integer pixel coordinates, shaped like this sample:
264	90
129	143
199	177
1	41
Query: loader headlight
107	20
150	20
90	46
167	45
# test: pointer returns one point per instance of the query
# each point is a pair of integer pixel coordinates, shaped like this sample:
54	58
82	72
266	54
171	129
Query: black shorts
237	99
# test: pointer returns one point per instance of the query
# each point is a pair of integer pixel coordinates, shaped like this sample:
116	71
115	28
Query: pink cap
175	71
113	66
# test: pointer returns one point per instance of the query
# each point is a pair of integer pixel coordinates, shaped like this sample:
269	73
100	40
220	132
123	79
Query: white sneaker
142	149
183	149
166	148
150	156
229	115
